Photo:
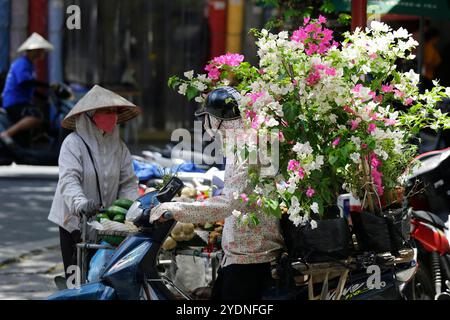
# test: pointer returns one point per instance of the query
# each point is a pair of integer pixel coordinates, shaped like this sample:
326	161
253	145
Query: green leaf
254	219
173	82
277	213
191	93
271	3
327	7
332	159
273	204
290	13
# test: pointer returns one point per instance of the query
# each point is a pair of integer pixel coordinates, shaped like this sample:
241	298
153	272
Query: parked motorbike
131	273
175	153
44	147
429	187
134	271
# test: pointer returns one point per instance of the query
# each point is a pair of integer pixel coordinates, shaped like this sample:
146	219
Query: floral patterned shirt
241	244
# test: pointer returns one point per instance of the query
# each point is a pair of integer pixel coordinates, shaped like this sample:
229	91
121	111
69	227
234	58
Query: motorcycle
176	153
430	228
44	149
135	272
131	273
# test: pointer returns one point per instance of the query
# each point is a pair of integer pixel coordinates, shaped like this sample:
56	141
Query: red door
218	27
38	15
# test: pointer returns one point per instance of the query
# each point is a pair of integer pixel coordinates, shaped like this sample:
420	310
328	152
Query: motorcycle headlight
135	212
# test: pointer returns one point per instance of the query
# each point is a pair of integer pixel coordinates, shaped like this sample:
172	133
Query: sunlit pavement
30	277
24	207
29	245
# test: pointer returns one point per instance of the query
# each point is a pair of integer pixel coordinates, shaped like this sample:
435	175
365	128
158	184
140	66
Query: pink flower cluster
314	36
357	88
315	74
355	123
255	96
387	88
397	93
229	59
376	175
294	165
213	72
250	114
336	142
371	128
310	192
390	122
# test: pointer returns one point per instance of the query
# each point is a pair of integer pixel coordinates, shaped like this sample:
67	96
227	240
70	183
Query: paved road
31	276
29	253
24	207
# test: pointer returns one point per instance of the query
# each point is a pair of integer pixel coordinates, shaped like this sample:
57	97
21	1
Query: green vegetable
123	203
119	218
115	210
102	216
113	240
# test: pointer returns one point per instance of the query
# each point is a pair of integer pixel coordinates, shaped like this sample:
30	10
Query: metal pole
359	14
83	250
79	262
55	36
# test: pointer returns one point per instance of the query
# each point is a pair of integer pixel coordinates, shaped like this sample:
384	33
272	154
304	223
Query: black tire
421	286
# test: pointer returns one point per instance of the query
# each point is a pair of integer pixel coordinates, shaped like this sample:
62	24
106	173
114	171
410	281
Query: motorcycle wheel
421	286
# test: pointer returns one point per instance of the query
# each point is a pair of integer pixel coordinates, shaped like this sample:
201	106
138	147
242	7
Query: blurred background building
134	46
427	20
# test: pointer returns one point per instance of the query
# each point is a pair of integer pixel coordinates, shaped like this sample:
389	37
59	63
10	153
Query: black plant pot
387	232
329	241
371	232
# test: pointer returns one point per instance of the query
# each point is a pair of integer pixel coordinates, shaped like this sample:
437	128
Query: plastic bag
191	272
98	263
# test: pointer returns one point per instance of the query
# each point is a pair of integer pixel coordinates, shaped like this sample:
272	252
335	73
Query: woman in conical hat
95	166
20	88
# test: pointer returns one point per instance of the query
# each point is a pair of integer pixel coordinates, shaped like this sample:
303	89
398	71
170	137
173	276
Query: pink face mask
105	121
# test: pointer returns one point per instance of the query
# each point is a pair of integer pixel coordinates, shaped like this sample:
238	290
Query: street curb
29	172
12	254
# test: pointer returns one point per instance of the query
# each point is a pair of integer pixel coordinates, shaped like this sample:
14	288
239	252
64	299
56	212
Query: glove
155	213
160	212
88	207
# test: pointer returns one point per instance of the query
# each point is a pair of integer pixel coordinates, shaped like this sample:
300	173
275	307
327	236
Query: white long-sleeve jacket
77	180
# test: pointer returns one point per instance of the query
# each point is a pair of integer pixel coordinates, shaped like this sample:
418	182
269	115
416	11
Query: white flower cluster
272	47
294	213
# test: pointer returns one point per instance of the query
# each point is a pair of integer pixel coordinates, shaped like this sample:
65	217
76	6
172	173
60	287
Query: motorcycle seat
430	218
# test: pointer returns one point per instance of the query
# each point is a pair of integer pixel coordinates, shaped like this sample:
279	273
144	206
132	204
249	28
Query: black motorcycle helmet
222	103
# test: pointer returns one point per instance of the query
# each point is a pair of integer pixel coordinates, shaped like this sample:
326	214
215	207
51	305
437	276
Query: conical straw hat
34	42
98	98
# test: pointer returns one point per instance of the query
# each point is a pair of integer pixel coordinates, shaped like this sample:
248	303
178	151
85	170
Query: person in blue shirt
20	87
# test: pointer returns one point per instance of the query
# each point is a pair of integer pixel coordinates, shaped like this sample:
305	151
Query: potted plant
343	113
